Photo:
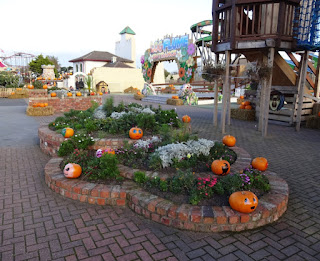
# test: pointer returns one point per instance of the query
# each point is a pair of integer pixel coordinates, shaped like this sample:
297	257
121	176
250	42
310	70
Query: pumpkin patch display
72	171
243	201
229	140
67	132
53	94
186	118
220	167
242	106
246	103
248	107
135	133
260	163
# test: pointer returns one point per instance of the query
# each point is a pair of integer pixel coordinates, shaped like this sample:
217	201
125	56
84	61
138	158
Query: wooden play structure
260	30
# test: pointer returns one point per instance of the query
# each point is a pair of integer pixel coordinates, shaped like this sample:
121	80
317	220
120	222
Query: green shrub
147	121
108	166
108	106
66	148
140	177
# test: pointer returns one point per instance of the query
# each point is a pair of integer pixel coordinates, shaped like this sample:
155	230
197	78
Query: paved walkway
37	224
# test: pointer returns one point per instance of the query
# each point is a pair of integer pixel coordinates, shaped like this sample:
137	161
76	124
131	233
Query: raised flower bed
172	161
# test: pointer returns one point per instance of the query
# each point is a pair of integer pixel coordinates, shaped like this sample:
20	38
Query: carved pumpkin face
135	133
67	132
186	118
243	201
72	170
260	163
229	140
220	167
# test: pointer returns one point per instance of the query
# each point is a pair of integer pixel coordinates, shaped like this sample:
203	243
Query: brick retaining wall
198	218
65	104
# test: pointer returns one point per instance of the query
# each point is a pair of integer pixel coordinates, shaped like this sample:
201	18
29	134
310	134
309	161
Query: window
77	69
81	67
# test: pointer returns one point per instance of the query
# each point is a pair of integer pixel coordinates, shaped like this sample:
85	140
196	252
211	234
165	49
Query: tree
35	65
88	80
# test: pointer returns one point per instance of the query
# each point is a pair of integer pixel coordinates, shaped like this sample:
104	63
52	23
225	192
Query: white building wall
126	48
89	65
118	79
159	74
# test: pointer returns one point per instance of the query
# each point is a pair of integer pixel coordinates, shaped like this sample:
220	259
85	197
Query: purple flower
142	59
191	49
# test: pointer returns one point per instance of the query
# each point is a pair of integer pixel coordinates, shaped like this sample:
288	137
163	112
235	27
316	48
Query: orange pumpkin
135	133
45	86
109	151
243	201
242	106
45	104
248	107
260	163
92	93
19	89
78	94
49	79
241	97
12	93
139	93
69	94
100	93
35	105
30	86
72	170
41	105
246	103
229	140
67	132
53	94
186	118
220	167
175	97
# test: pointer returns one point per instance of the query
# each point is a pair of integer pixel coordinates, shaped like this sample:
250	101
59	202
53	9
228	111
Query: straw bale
40	111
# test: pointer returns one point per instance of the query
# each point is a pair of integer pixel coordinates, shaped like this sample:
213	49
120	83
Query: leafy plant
108	166
108	106
140	177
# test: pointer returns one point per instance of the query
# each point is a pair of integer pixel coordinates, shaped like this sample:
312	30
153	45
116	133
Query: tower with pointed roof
126	47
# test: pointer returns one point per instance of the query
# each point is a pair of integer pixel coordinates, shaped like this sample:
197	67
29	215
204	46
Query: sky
71	28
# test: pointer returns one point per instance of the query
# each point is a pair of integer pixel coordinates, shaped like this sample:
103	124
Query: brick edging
198	218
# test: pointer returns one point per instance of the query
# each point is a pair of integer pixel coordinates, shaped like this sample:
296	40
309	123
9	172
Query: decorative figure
148	89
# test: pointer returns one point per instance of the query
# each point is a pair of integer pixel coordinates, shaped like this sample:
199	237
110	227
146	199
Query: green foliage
252	178
66	148
77	141
140	177
88	80
194	198
218	188
221	151
9	80
38	84
163	185
146	121
79	157
35	64
108	166
108	106
231	183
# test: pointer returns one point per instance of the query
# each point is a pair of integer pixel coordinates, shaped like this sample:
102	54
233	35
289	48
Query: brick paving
37	224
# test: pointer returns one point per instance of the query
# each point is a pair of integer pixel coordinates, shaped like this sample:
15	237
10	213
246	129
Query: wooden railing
246	20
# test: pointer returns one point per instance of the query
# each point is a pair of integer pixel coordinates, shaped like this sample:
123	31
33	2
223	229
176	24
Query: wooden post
317	82
229	93
267	94
301	84
224	93
263	87
216	96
